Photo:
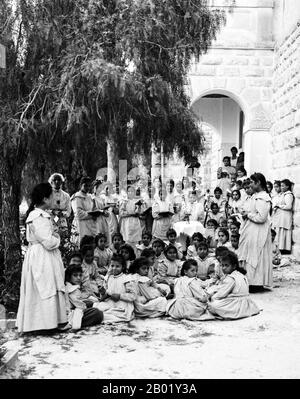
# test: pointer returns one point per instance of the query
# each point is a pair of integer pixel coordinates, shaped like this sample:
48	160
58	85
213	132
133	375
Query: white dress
284	221
161	224
84	224
122	310
232	300
190	300
130	226
42	303
149	301
255	246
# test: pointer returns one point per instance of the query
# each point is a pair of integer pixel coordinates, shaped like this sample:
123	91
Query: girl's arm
225	288
197	291
76	300
79	211
131	292
262	212
288	199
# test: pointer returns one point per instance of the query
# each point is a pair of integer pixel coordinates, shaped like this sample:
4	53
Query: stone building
246	93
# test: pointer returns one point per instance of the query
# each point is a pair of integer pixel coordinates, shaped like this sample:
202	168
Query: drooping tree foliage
78	72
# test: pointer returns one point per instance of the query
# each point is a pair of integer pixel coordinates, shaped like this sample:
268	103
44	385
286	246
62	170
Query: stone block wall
286	120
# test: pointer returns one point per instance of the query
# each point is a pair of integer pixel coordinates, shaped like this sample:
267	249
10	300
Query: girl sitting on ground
169	268
232	300
210	234
146	243
203	261
223	238
158	247
149	254
80	310
102	254
150	300
190	301
92	281
171	236
192	249
117	241
117	303
128	254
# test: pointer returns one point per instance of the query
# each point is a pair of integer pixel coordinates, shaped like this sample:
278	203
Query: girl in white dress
192	249
169	268
190	301
117	304
111	204
231	299
42	303
102	254
60	202
145	244
150	300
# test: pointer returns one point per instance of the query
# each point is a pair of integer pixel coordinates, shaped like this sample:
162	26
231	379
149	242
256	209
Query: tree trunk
112	161
10	173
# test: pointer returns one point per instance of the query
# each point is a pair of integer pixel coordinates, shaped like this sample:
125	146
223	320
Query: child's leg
91	317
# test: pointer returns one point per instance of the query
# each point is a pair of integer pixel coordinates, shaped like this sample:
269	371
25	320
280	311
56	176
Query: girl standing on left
284	208
42	303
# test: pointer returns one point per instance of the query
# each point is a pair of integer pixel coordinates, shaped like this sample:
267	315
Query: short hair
198	235
128	248
203	244
54	175
238	192
75	255
221	250
246	183
233	260
187	264
147	252
234	148
169	247
270	184
228	158
277	182
137	263
86	248
235	235
239	182
100	235
87	240
213	221
242	169
288	183
120	259
224	231
159	241
147	233
236	223
218	190
171	231
71	270
84	180
214	204
117	235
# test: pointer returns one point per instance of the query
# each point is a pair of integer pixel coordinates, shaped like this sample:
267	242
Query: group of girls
156	279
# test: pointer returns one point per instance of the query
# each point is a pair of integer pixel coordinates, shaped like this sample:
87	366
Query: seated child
146	243
190	300
79	304
235	238
210	234
232	300
92	281
192	249
215	213
87	240
223	238
235	203
169	268
149	254
117	304
215	272
234	228
203	261
102	254
116	242
150	300
171	236
158	247
218	199
128	254
75	259
277	260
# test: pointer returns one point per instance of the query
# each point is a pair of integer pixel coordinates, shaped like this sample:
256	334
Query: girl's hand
115	297
162	291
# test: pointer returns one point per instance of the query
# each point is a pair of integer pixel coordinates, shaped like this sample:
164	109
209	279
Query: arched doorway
223	122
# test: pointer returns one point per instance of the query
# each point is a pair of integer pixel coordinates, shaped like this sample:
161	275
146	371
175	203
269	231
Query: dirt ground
263	346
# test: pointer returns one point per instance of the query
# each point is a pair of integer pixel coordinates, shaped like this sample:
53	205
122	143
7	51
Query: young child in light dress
102	254
171	236
145	244
92	280
150	300
169	268
117	303
192	249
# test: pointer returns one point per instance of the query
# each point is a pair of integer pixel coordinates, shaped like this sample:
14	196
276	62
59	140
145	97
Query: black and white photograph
149	193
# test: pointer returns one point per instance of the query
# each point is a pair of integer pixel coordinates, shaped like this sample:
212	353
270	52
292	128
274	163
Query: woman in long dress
284	211
42	303
60	202
102	220
255	248
111	202
162	212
